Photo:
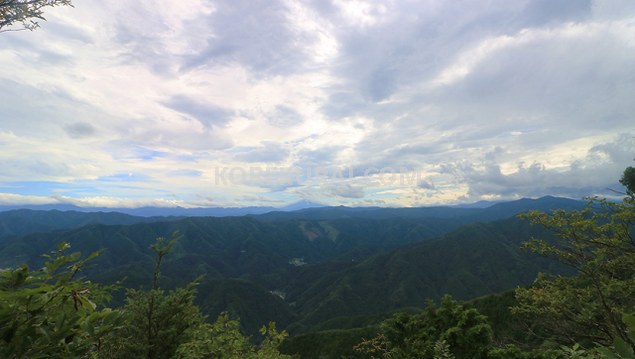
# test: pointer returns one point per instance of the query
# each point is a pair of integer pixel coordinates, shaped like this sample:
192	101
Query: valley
300	268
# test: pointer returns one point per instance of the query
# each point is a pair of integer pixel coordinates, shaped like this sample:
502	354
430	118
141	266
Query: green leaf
607	353
623	349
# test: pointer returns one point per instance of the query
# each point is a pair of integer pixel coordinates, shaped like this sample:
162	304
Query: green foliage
160	325
620	348
223	339
161	248
254	304
157	323
507	329
577	352
442	350
25	12
464	331
344	274
511	351
587	307
628	181
333	343
378	347
21	222
472	261
50	313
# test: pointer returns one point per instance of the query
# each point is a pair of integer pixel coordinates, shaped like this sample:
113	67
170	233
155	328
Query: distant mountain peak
477	204
302	204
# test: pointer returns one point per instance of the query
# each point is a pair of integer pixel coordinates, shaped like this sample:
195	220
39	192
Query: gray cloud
412	43
139	137
142	39
545	12
320	158
268	152
344	190
284	116
540	92
342	103
34	111
555	85
80	130
207	114
595	175
256	34
425	184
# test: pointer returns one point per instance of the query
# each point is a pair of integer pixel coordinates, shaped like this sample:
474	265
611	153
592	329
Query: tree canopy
628	181
53	312
589	307
448	331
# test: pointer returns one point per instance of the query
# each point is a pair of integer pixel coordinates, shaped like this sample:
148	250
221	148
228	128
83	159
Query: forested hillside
21	222
307	270
333	284
472	261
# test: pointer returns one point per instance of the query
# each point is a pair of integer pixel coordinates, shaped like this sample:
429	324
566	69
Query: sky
231	103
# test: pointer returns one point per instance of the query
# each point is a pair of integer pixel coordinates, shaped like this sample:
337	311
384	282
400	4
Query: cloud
80	130
345	190
185	173
321	158
126	177
284	116
207	114
114	202
268	152
10	199
257	34
596	173
546	12
426	185
482	99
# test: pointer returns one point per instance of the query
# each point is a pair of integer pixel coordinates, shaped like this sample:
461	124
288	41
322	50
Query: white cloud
486	98
11	199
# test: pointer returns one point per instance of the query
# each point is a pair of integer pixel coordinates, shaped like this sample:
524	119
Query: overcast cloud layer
391	103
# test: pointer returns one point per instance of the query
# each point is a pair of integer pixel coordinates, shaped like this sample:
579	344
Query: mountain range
167	211
305	267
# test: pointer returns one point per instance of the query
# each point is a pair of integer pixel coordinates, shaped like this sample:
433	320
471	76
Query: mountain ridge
302	205
357	263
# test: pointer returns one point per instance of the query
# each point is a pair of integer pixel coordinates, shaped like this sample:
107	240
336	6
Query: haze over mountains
168	211
19	220
300	268
302	205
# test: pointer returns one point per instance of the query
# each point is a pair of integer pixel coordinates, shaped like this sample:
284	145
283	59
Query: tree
587	307
162	325
628	181
450	330
50	313
25	13
223	339
157	322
